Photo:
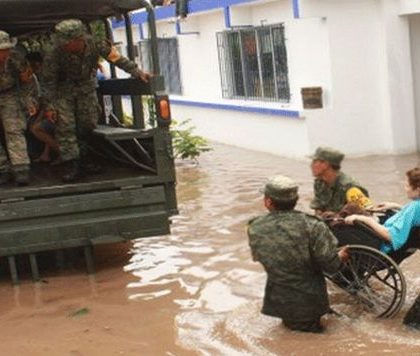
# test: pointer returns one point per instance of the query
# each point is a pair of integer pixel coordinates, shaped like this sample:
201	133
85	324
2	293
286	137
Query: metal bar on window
221	45
276	89
260	77
243	63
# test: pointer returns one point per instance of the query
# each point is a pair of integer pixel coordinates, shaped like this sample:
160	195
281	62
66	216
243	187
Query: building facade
237	68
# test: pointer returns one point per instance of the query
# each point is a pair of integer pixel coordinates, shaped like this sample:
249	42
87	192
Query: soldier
332	188
295	249
69	82
15	74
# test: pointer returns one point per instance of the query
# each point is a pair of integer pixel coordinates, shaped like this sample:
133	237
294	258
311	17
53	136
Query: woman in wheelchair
372	275
395	231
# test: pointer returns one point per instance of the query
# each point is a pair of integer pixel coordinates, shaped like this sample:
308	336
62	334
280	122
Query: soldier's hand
143	76
51	116
344	254
327	215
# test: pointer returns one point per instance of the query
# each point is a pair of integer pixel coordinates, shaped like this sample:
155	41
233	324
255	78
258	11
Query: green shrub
186	144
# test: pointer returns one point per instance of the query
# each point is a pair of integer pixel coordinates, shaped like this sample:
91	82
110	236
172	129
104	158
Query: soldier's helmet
281	188
329	155
69	29
5	41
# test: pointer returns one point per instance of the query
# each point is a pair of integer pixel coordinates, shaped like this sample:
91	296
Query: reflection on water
205	264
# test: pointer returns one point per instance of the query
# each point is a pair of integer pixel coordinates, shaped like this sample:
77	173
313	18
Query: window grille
253	63
168	62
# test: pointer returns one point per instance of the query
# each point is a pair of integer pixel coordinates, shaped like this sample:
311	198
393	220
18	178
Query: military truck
135	195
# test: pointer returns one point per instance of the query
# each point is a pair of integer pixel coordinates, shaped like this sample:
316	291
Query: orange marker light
164	109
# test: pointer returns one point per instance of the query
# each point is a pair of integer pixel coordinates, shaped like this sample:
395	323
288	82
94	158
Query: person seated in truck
396	230
15	75
333	189
69	82
42	145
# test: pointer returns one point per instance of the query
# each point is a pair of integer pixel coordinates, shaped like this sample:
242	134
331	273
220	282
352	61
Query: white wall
272	134
409	7
353	118
199	58
399	78
415	54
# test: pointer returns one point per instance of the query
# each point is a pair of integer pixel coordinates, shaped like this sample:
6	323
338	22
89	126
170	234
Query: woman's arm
388	206
367	220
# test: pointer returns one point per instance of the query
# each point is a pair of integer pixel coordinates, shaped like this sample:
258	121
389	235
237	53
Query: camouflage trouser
412	318
14	126
311	326
77	116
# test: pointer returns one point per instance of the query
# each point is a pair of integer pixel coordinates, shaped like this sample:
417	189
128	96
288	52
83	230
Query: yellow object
114	55
356	196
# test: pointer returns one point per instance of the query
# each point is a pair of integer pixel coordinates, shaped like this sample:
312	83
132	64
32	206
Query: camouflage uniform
295	249
13	76
69	80
333	198
412	318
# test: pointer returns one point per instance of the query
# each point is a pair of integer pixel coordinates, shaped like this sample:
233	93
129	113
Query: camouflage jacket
63	72
333	198
295	249
15	74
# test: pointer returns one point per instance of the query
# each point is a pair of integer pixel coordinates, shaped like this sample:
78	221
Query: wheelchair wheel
373	279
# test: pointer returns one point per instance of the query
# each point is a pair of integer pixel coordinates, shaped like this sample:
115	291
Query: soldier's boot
90	167
412	318
88	163
5	177
22	178
73	173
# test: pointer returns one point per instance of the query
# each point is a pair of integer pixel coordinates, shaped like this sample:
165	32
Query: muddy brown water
197	291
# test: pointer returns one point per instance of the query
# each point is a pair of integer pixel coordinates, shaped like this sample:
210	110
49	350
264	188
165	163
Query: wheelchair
372	278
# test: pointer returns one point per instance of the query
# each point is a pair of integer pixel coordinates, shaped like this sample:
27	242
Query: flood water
197	291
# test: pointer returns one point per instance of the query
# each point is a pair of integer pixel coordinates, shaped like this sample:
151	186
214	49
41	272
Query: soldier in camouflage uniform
334	189
69	80
15	74
295	249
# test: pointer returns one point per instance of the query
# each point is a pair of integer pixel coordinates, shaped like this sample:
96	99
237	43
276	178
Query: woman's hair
413	176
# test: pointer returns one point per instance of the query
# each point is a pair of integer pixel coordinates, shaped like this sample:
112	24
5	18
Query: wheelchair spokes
373	279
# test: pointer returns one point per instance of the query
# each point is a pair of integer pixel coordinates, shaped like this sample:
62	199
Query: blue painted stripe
194	6
296	9
254	109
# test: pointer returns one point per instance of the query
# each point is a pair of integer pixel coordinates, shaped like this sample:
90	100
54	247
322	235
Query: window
253	63
168	62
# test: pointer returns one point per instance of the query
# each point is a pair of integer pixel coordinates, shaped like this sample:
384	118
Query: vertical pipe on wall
226	11
296	9
141	32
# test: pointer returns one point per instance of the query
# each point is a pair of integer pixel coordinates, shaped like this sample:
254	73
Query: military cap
281	188
329	155
5	42
69	29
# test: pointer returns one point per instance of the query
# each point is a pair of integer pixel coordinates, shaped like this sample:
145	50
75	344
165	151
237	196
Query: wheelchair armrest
366	227
357	234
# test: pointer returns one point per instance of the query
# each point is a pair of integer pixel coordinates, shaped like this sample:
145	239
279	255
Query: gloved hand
143	76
